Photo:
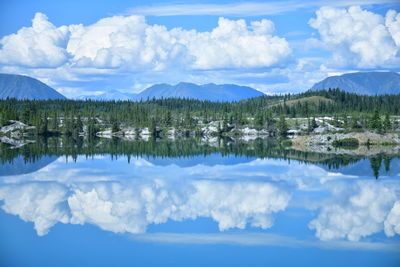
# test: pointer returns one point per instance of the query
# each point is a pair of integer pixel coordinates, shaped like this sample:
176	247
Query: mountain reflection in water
189	152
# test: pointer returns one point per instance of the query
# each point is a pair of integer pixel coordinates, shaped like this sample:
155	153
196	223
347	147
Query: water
190	203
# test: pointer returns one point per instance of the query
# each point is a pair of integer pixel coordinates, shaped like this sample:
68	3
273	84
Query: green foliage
376	163
259	119
346	142
376	123
311	124
282	126
115	127
286	142
70	117
72	147
92	128
387	125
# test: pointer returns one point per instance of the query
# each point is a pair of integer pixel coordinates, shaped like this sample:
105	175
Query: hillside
24	87
363	83
211	92
315	100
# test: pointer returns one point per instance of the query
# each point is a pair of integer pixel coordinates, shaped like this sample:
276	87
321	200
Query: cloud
358	210
299	77
40	203
359	37
259	239
74	91
393	24
124	197
42	45
392	223
131	206
110	52
129	43
242	9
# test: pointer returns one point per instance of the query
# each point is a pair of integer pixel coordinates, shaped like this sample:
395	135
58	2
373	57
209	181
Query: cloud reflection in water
127	198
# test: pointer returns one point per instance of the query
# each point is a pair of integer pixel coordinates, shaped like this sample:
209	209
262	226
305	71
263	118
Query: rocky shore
369	143
320	140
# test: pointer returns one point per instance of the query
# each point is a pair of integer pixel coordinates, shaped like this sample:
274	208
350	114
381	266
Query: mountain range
363	83
19	165
109	95
210	92
24	87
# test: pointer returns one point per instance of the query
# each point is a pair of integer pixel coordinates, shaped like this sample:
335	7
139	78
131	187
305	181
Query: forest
71	148
72	118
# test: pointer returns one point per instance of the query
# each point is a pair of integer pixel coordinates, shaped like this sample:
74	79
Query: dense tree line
69	117
70	147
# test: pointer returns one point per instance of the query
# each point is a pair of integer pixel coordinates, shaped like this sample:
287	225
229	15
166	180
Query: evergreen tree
314	123
345	121
168	118
376	163
54	122
153	128
26	114
42	128
376	123
387	125
92	129
311	125
115	127
259	120
354	122
79	124
386	162
282	126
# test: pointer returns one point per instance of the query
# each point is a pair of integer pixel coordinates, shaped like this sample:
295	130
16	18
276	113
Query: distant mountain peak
210	92
363	83
110	95
25	87
184	83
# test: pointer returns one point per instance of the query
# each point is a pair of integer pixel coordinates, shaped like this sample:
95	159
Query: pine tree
168	118
314	123
345	121
79	123
115	127
153	127
376	163
54	123
387	125
282	126
259	120
354	122
311	125
376	123
92	129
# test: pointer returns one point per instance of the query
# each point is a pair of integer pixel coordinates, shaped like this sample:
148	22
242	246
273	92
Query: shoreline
370	143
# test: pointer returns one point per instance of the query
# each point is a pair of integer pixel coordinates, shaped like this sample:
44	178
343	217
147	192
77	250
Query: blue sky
91	47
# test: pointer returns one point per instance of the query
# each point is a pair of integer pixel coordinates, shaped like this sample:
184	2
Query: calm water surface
210	209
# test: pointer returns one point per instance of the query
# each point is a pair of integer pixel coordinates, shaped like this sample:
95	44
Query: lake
108	202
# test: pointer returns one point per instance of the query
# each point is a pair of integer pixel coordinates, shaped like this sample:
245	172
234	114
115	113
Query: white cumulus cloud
392	223
44	205
359	37
132	206
129	43
42	45
358	210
